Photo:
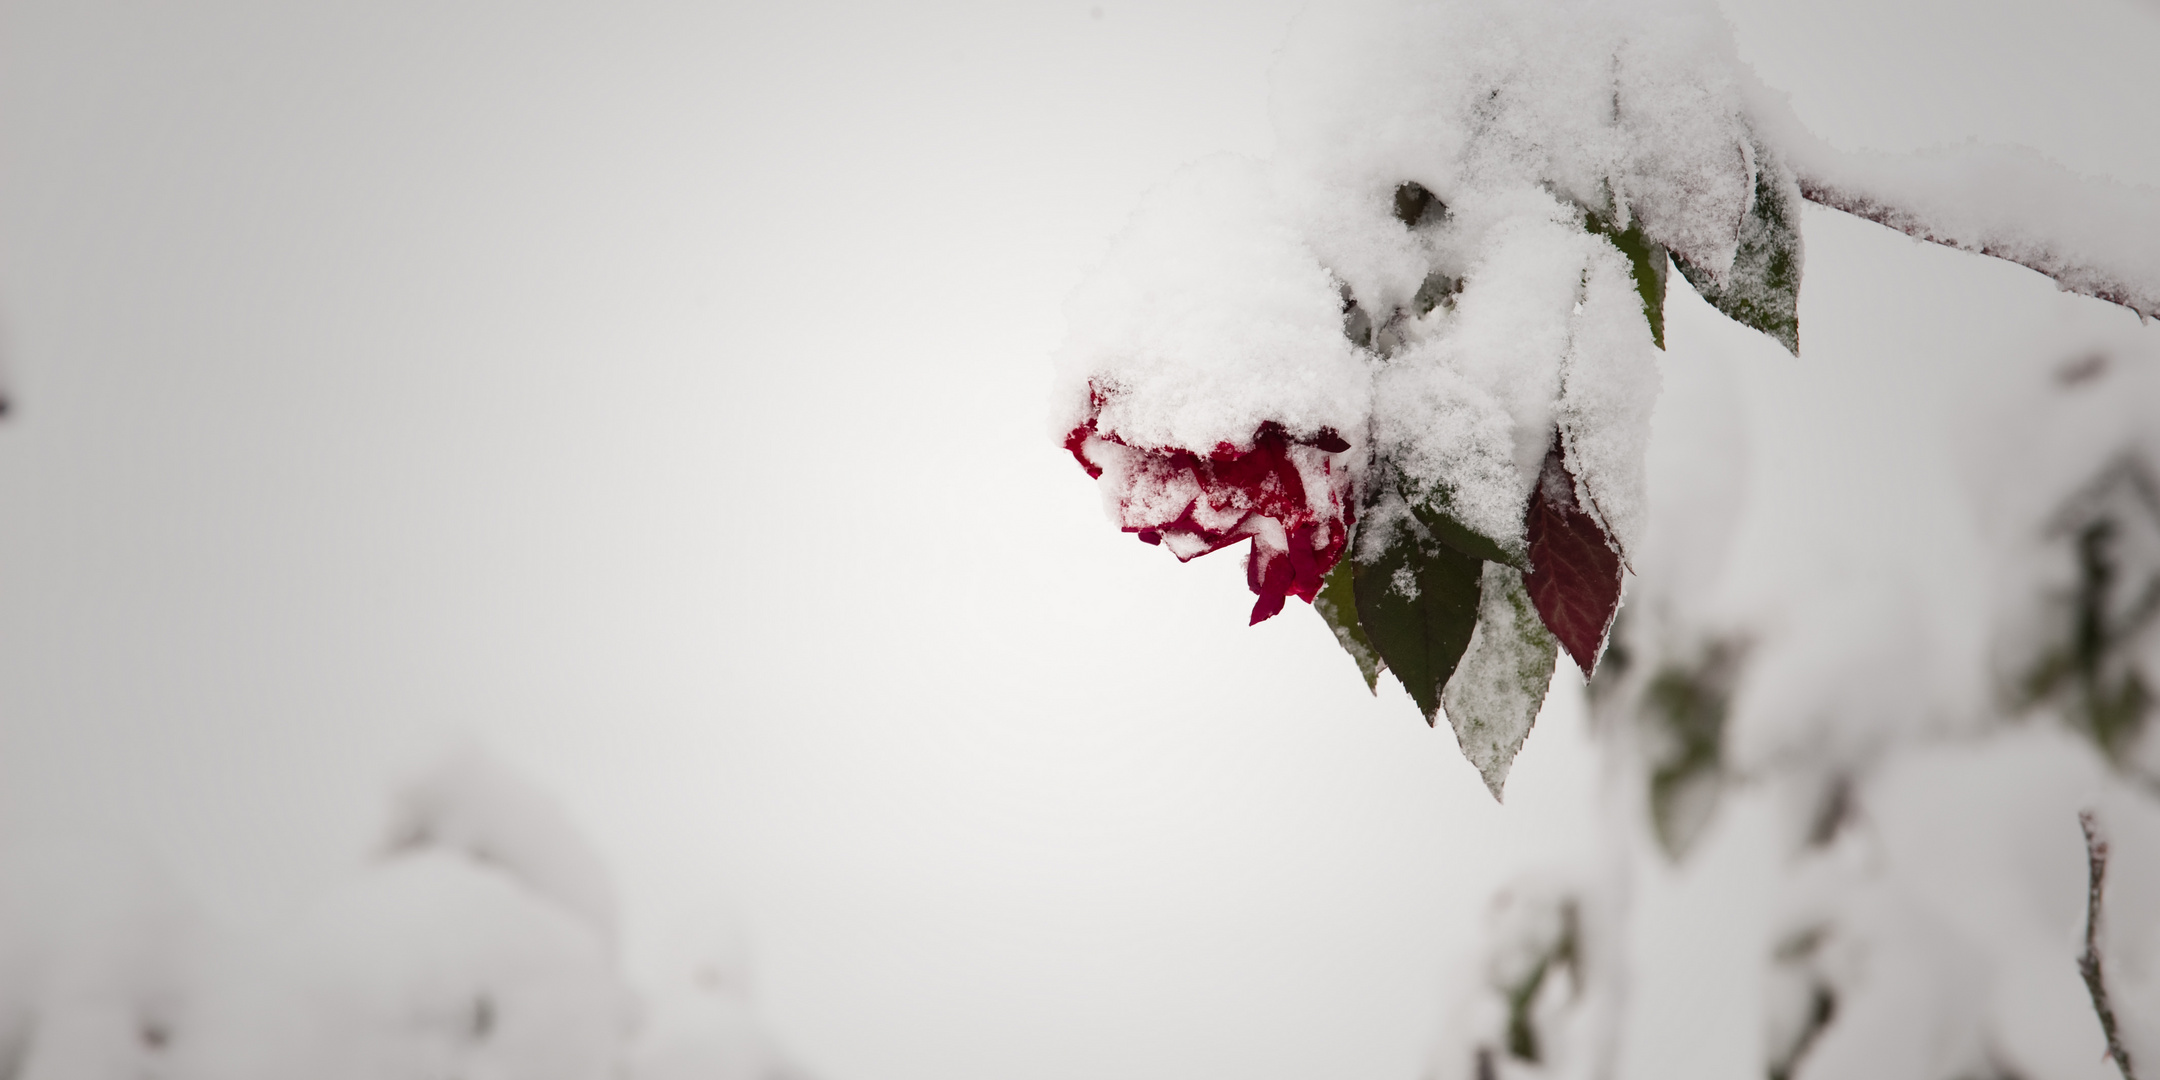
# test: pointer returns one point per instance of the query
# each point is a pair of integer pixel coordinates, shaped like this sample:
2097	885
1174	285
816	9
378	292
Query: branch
2093	236
2078	273
2096	853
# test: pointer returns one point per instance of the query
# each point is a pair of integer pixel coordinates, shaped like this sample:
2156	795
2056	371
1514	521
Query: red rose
1289	496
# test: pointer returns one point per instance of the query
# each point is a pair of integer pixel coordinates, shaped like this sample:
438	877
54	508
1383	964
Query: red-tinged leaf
1574	574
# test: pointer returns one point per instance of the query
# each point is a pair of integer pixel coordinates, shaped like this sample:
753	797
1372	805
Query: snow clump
1457	253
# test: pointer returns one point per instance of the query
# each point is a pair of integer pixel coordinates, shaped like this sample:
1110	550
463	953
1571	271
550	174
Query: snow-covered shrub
100	955
477	941
433	964
471	805
1424	335
1434	320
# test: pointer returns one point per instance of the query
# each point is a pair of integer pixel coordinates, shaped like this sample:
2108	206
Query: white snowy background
651	397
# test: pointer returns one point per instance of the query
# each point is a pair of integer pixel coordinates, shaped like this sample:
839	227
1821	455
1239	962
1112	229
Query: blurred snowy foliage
476	942
1492	196
1922	776
1919	705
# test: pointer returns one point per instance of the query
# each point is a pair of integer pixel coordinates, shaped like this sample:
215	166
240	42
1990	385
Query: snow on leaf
2093	236
1608	390
1574	574
1647	264
1500	684
1463	414
1432	511
1420	631
1448	445
1537	943
1762	290
1337	603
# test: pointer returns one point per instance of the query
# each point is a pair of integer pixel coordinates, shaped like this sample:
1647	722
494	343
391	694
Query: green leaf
1683	710
1337	603
1524	1041
1418	602
1763	289
1436	515
1434	508
1500	685
1648	264
2092	668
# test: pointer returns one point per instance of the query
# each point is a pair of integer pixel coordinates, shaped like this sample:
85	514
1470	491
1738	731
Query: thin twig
2096	853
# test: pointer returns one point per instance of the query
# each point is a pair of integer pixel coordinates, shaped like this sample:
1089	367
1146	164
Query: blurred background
648	399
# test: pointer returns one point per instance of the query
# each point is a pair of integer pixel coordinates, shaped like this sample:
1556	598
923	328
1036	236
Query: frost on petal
1500	684
1609	390
1292	501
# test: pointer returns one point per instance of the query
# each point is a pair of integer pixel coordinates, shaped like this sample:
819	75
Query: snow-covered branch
2093	236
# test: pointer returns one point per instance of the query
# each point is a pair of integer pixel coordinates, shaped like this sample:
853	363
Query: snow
1950	913
1210	318
730	518
1500	685
431	964
1921	820
471	945
472	805
1609	387
1491	366
2091	235
98	949
1213	315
